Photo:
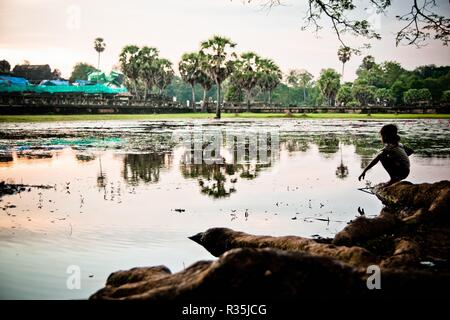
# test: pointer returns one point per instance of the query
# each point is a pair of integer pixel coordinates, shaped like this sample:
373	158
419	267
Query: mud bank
409	241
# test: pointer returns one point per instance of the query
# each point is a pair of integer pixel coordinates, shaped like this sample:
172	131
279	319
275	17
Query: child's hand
362	176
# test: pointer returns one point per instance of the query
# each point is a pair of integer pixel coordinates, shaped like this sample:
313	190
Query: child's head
389	134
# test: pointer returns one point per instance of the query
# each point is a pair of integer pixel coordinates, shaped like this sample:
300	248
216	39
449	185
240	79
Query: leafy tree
446	96
420	23
434	87
363	93
344	95
416	96
329	83
99	46
398	89
217	58
391	71
233	93
81	71
384	96
411	96
424	95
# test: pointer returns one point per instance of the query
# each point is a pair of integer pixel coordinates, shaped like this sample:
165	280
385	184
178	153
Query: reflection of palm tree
295	144
217	180
328	145
142	167
342	170
101	177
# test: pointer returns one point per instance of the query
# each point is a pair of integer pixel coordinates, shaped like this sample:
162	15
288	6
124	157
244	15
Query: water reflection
328	144
132	195
144	168
217	171
342	170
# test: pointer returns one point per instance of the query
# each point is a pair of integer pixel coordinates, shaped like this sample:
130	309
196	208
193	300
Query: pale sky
61	32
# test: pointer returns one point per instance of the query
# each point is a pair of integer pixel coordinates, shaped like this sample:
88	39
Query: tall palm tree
329	83
292	78
299	79
269	76
218	61
245	74
164	74
206	83
148	66
344	54
304	78
189	68
129	62
99	46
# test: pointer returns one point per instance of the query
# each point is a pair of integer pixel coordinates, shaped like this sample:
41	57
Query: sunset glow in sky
61	32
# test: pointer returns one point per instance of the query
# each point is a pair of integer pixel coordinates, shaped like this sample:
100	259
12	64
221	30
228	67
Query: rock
219	240
363	228
417	201
265	275
288	274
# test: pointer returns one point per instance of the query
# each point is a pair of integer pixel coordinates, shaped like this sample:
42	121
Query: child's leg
391	170
395	172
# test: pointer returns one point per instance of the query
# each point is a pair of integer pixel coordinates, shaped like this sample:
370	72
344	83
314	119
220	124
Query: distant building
34	73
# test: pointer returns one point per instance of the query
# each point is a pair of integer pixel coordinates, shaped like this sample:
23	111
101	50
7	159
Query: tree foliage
420	22
81	71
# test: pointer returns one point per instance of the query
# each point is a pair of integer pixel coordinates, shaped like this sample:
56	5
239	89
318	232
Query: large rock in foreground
409	241
265	275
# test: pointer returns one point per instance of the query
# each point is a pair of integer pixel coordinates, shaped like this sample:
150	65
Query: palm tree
292	78
304	79
341	170
129	62
344	54
148	67
218	61
164	74
245	74
206	83
269	76
99	46
329	83
189	68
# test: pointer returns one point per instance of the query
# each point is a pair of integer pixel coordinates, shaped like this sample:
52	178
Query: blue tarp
83	82
54	83
15	81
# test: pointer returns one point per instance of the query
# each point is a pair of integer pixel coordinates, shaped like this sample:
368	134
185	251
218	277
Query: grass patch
245	115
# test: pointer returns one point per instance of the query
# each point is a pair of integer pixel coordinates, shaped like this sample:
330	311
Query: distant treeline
250	78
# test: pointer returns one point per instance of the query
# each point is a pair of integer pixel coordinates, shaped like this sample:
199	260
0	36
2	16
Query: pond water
129	193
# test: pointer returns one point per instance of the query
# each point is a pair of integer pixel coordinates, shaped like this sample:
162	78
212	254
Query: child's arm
408	150
371	164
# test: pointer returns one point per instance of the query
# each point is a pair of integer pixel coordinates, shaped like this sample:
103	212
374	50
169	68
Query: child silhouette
393	157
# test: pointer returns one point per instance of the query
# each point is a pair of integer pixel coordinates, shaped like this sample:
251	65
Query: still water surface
129	193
